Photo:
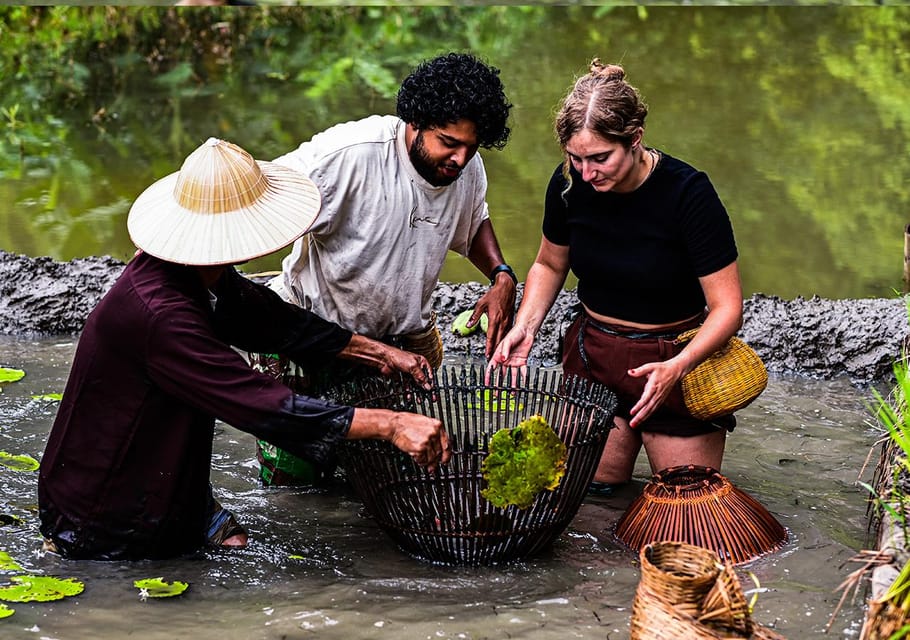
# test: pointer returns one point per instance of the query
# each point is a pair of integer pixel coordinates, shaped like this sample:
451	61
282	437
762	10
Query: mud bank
813	337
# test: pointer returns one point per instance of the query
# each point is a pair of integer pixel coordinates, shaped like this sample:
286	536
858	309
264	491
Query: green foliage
522	462
158	588
50	397
5	612
11	375
7	563
498	401
40	589
18	463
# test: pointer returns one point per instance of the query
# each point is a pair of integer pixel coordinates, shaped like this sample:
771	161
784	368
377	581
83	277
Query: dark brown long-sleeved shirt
125	472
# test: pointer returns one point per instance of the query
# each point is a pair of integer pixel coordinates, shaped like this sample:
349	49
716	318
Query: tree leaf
18	463
40	589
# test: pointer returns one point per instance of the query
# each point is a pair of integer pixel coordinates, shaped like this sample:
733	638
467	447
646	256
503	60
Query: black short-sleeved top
638	255
125	473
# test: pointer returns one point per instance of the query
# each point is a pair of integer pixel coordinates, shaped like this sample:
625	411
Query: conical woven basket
699	506
685	593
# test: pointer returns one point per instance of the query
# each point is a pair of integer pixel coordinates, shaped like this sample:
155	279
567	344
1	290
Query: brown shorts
605	353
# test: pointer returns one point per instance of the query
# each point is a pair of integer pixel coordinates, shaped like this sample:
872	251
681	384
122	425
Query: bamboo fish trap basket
442	517
686	593
699	506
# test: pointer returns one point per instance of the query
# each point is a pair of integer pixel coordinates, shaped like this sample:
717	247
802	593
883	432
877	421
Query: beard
427	167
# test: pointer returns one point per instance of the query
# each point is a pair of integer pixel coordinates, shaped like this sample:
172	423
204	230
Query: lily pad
18	463
7	563
40	589
158	588
7	519
49	397
522	462
11	375
5	612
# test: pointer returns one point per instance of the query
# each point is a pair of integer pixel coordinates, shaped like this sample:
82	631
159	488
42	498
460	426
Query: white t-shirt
372	259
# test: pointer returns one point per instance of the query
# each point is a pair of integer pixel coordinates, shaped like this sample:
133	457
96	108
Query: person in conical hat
125	473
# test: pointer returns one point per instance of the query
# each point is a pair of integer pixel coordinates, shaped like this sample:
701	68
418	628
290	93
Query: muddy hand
423	438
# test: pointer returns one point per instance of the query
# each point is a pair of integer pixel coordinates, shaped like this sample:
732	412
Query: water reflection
798	114
317	564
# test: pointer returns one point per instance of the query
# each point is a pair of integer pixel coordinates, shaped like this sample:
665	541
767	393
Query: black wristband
503	268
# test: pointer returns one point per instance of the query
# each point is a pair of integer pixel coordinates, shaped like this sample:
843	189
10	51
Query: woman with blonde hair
653	249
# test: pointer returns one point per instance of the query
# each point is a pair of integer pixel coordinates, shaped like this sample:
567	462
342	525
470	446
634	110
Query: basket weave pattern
699	506
442	517
685	593
728	380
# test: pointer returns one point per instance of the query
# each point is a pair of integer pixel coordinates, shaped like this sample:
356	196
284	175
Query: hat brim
160	226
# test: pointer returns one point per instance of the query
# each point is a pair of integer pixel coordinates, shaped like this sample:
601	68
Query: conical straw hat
222	207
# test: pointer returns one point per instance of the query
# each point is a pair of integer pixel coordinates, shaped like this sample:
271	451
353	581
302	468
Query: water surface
317	566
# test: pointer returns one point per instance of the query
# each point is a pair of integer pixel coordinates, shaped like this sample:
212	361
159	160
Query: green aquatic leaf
9	519
158	588
40	589
5	612
11	375
7	563
18	463
496	401
522	462
460	324
49	396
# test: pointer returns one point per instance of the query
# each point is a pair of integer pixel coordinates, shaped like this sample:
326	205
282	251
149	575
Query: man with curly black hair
398	192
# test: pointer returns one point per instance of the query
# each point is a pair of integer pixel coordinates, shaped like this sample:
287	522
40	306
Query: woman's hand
662	377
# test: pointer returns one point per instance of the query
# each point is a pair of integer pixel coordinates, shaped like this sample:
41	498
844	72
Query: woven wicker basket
699	506
730	379
442	517
685	593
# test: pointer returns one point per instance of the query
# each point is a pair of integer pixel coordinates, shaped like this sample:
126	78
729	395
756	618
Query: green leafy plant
495	401
11	375
522	462
18	463
50	397
158	588
40	589
7	563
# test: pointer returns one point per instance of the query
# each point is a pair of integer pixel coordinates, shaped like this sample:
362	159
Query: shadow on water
317	565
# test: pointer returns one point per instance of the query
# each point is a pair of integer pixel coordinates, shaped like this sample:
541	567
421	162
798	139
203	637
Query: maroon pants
605	353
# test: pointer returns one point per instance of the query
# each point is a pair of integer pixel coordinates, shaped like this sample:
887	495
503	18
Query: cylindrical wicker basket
442	517
699	506
685	593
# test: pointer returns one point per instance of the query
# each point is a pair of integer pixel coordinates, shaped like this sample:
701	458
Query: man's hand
421	437
499	305
388	359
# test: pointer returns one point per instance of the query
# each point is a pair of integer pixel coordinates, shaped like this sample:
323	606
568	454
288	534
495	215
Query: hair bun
607	71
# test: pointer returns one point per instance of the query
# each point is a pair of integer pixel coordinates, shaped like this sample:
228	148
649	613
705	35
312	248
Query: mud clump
814	337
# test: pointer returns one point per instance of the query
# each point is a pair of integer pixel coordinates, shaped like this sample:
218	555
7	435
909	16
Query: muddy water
317	567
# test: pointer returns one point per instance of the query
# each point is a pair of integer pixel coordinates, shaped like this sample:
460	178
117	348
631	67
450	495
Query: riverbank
814	337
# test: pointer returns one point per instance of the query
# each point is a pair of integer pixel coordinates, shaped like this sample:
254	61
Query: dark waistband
642	334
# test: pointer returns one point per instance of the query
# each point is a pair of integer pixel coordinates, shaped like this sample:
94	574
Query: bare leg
670	451
618	459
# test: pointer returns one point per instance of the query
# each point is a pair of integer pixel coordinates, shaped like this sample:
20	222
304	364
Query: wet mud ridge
814	337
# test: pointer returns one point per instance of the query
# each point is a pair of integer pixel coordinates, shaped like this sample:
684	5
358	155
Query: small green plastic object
158	588
40	589
523	461
460	324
